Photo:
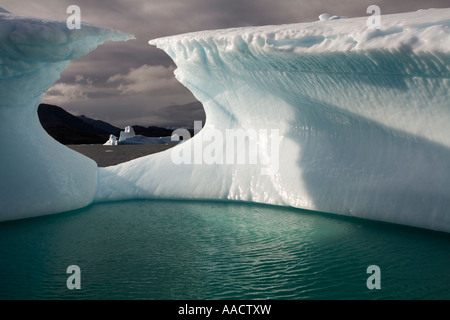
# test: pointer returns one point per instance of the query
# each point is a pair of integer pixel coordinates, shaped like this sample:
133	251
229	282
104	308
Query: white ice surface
38	175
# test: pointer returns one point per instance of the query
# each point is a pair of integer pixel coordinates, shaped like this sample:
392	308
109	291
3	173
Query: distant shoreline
106	156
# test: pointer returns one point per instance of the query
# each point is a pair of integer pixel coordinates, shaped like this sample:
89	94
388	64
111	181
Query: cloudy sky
132	82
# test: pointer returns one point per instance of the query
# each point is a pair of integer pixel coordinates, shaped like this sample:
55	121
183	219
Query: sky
132	83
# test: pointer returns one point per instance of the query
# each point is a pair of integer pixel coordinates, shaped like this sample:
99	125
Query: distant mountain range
69	129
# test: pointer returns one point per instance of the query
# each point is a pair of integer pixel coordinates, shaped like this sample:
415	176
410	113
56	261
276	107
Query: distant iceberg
128	136
112	141
127	133
139	139
359	116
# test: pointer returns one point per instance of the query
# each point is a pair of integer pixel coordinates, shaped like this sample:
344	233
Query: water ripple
189	250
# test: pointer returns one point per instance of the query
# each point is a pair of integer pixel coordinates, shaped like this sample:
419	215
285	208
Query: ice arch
39	175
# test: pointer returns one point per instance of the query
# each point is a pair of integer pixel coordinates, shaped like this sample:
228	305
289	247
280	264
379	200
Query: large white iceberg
351	121
362	114
38	175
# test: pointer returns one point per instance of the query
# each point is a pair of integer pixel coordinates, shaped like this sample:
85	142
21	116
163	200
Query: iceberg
39	175
362	118
128	136
112	141
127	133
139	139
329	116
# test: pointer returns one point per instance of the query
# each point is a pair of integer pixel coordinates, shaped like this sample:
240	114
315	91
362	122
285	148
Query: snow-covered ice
361	114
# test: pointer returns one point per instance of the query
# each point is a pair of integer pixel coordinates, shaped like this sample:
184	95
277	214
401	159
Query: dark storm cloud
84	86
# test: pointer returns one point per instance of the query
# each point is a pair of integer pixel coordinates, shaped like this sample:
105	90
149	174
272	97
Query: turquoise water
208	250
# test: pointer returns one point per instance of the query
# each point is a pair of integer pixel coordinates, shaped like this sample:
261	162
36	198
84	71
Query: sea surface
215	250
